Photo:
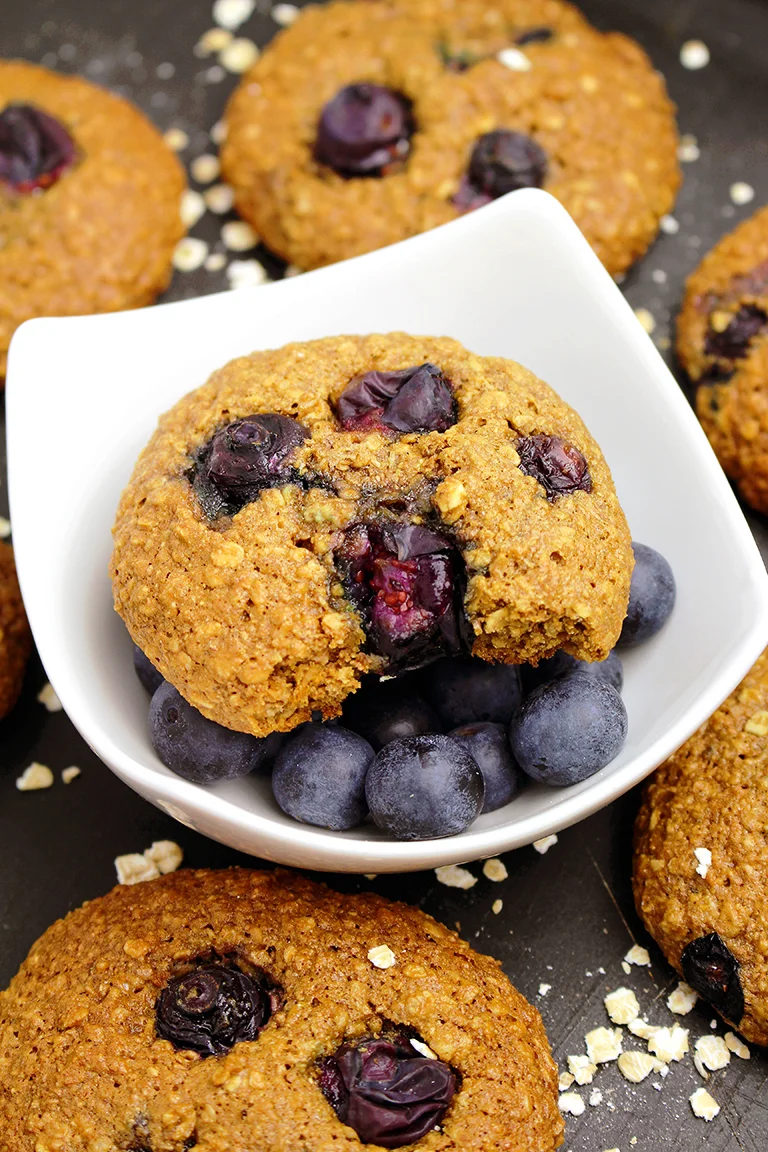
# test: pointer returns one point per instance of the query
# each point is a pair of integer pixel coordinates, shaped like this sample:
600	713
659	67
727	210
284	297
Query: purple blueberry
319	776
488	745
501	162
196	748
652	594
382	712
35	149
407	582
559	467
713	971
245	457
365	130
414	400
733	343
146	671
535	36
386	1090
212	1008
568	729
424	787
467	690
562	663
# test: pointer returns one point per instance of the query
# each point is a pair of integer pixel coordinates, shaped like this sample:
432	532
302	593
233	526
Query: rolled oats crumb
737	1046
497	906
246	274
639	956
682	999
694	54
669	1043
595	1098
699	1066
382	956
713	1052
544	988
219	198
424	1049
564	1081
742	193
284	14
35	777
239	55
635	1066
669	225
291	271
205	168
166	855
189	254
514	59
688	151
70	774
215	262
646	318
191	209
757	723
703	1105
545	844
633	1140
495	870
571	1103
455	877
625	968
230	14
582	1069
212	41
611	1150
176	139
622	1006
48	698
134	868
219	132
238	236
704	858
603	1044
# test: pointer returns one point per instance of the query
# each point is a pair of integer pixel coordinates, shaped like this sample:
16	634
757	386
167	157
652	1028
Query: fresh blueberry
562	663
146	671
559	467
245	457
382	712
714	972
196	748
535	36
212	1008
413	400
365	130
407	582
733	343
35	149
466	690
386	1090
652	595
424	787
488	745
501	162
568	729
319	776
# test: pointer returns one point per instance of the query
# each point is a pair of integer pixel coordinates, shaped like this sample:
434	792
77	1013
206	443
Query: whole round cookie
722	342
89	200
364	504
363	124
15	637
701	858
242	1010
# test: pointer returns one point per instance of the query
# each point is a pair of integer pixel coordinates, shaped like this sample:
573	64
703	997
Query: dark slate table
567	918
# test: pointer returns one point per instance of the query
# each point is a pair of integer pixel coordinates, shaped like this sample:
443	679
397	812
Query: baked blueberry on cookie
701	860
363	124
89	200
722	342
260	1011
364	504
15	637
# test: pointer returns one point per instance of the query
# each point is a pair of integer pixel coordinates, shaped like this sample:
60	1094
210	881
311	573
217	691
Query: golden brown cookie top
81	1063
701	857
253	617
101	236
15	637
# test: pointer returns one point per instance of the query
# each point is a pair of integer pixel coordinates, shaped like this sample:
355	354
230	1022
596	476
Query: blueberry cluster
425	754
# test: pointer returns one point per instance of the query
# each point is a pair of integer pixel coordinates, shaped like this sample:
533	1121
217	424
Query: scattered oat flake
291	271
246	274
219	198
688	151
238	236
635	1066
205	168
497	906
704	857
215	262
192	208
212	41
642	1029
669	225
166	855
603	1044
284	14
545	844
713	1052
582	1069
659	276
703	1105
682	999
564	1081
571	1103
176	139
646	319
639	956
742	193
219	132
669	1043
189	254
625	968
48	698
544	988
694	54
495	870
622	1006
514	59
382	956
215	74
424	1049
230	14
35	777
737	1046
70	774
239	55
134	868
633	1140
595	1098
455	877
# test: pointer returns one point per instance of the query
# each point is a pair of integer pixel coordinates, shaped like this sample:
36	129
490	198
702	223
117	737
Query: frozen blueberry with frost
382	712
562	663
467	690
407	582
488	745
416	399
502	161
197	748
652	594
733	342
711	969
245	457
214	1007
319	776
424	787
146	671
386	1090
568	729
365	130
35	148
559	467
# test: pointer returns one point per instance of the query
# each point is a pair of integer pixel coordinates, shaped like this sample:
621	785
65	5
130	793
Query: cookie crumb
424	1049
219	198
238	236
189	254
703	1105
176	139
622	1006
382	956
246	274
694	54
191	209
495	870
635	1066
545	844
603	1044
48	698
514	59
639	956
737	1046
544	988
284	14
230	14
497	906
669	1043
205	168
757	723
455	877
239	55
70	774
35	777
582	1069
682	999
713	1052
704	857
571	1103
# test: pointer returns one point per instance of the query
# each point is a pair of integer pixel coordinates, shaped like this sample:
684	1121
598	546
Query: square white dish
515	279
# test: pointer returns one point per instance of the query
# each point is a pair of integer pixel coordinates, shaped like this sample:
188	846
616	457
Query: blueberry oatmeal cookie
236	1010
722	342
701	859
15	637
364	504
363	124
89	200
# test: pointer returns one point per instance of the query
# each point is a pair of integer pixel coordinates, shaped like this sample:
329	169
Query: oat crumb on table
35	777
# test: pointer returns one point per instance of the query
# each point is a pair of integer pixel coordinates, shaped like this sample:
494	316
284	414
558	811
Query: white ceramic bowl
515	279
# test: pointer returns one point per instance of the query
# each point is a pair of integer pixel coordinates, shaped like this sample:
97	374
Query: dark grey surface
568	914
